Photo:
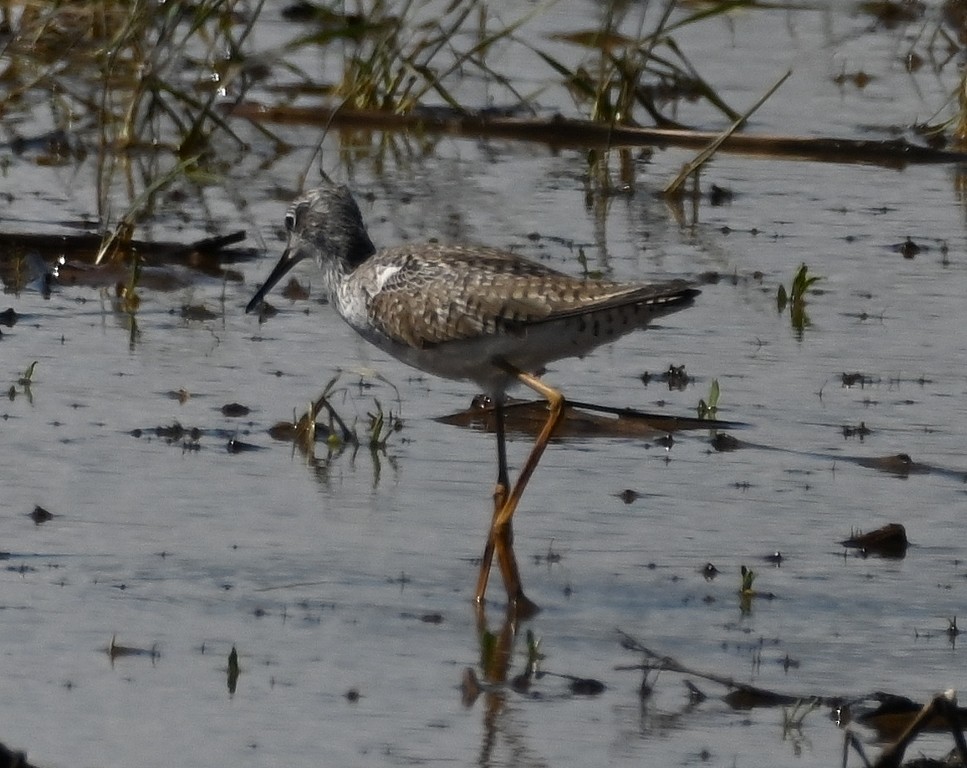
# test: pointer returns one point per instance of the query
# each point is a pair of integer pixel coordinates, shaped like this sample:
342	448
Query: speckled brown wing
445	293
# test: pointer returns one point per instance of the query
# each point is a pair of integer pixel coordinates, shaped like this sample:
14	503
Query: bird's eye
295	216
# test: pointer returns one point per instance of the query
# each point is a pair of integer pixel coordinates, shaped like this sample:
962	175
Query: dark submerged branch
560	132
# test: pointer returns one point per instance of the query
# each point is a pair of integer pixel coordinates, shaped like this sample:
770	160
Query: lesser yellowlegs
465	312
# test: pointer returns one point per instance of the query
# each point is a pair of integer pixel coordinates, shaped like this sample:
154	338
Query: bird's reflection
501	729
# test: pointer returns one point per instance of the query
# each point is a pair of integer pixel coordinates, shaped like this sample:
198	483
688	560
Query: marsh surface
345	583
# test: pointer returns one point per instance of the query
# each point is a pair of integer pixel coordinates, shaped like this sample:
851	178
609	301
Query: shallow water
356	573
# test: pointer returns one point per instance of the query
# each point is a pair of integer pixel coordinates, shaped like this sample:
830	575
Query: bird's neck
358	248
351	253
334	273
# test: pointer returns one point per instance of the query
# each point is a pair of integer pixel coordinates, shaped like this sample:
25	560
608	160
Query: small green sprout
27	378
748	577
708	410
793	718
381	426
534	655
795	297
952	630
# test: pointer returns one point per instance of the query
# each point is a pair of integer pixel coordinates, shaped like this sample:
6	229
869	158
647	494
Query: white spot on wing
384	275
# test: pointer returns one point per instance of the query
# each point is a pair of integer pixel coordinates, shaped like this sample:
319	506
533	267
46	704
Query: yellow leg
500	496
500	538
555	402
501	542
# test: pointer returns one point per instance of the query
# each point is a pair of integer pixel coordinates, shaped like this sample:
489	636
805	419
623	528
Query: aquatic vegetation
305	431
748	578
892	710
949	121
644	70
795	297
144	78
159	95
793	718
128	299
534	654
709	409
24	383
675	188
28	375
397	55
382	425
801	283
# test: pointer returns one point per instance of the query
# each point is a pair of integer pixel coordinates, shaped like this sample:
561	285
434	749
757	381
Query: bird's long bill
290	257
